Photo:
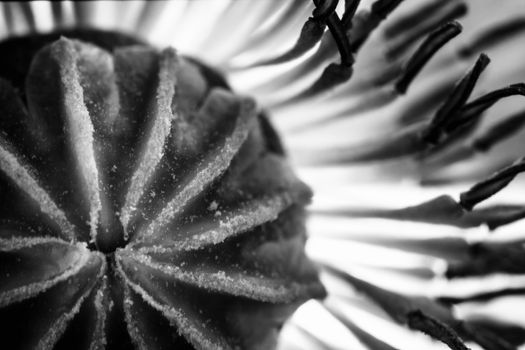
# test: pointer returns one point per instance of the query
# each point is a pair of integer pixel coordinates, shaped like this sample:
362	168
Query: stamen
8	17
333	75
482	297
368	339
336	74
451	11
443	210
497	216
437	330
467	120
429	316
405	309
29	16
84	13
58	13
425	51
310	35
323	15
276	30
339	35
499	132
473	110
455	101
312	339
379	12
149	15
492	185
324	9
414	111
486	259
487	340
405	22
337	30
423	54
447	150
494	35
382	8
256	18
350	9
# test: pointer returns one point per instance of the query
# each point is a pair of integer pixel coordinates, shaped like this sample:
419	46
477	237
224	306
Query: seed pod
143	203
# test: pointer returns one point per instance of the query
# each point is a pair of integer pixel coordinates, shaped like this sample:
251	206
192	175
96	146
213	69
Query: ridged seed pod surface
143	204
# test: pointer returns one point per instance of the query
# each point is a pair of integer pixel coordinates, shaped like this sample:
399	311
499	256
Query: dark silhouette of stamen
339	34
495	335
324	9
350	9
29	15
332	75
474	109
336	74
485	189
424	53
407	21
499	132
382	8
310	35
419	321
494	35
379	11
485	259
58	12
451	11
488	340
455	101
371	341
482	297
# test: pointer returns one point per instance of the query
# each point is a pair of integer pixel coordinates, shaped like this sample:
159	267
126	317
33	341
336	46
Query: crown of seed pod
143	203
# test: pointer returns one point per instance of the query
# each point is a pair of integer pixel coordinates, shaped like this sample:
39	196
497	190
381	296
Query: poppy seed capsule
143	203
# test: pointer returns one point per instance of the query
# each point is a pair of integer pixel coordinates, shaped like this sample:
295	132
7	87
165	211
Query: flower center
108	242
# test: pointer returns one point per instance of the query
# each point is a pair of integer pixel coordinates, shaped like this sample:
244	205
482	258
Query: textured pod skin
143	204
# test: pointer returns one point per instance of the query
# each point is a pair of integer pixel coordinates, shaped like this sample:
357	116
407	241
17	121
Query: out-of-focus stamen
492	185
455	101
426	50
